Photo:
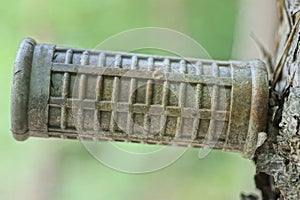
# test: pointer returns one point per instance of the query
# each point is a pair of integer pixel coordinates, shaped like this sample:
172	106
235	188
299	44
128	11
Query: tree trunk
278	160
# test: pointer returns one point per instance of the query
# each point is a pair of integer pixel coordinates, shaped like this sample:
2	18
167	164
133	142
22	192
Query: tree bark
278	160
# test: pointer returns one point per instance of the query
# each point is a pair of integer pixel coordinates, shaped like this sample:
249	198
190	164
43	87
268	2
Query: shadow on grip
102	95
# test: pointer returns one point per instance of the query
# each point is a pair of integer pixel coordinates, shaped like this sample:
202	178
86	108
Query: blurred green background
56	169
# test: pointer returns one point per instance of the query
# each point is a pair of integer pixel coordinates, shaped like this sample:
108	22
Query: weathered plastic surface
100	95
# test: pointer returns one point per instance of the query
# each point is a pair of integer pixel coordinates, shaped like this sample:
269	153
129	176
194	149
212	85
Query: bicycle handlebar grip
102	95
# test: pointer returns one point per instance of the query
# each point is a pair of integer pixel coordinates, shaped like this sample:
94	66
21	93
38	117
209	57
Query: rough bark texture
278	160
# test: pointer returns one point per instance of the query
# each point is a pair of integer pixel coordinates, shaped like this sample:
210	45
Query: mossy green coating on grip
102	95
20	89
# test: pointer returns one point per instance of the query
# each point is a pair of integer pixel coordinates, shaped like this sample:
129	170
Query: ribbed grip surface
101	95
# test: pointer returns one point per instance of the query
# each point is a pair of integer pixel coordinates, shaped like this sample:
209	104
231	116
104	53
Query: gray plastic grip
101	95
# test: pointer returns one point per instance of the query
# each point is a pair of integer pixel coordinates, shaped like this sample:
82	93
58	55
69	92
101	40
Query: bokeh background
61	170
